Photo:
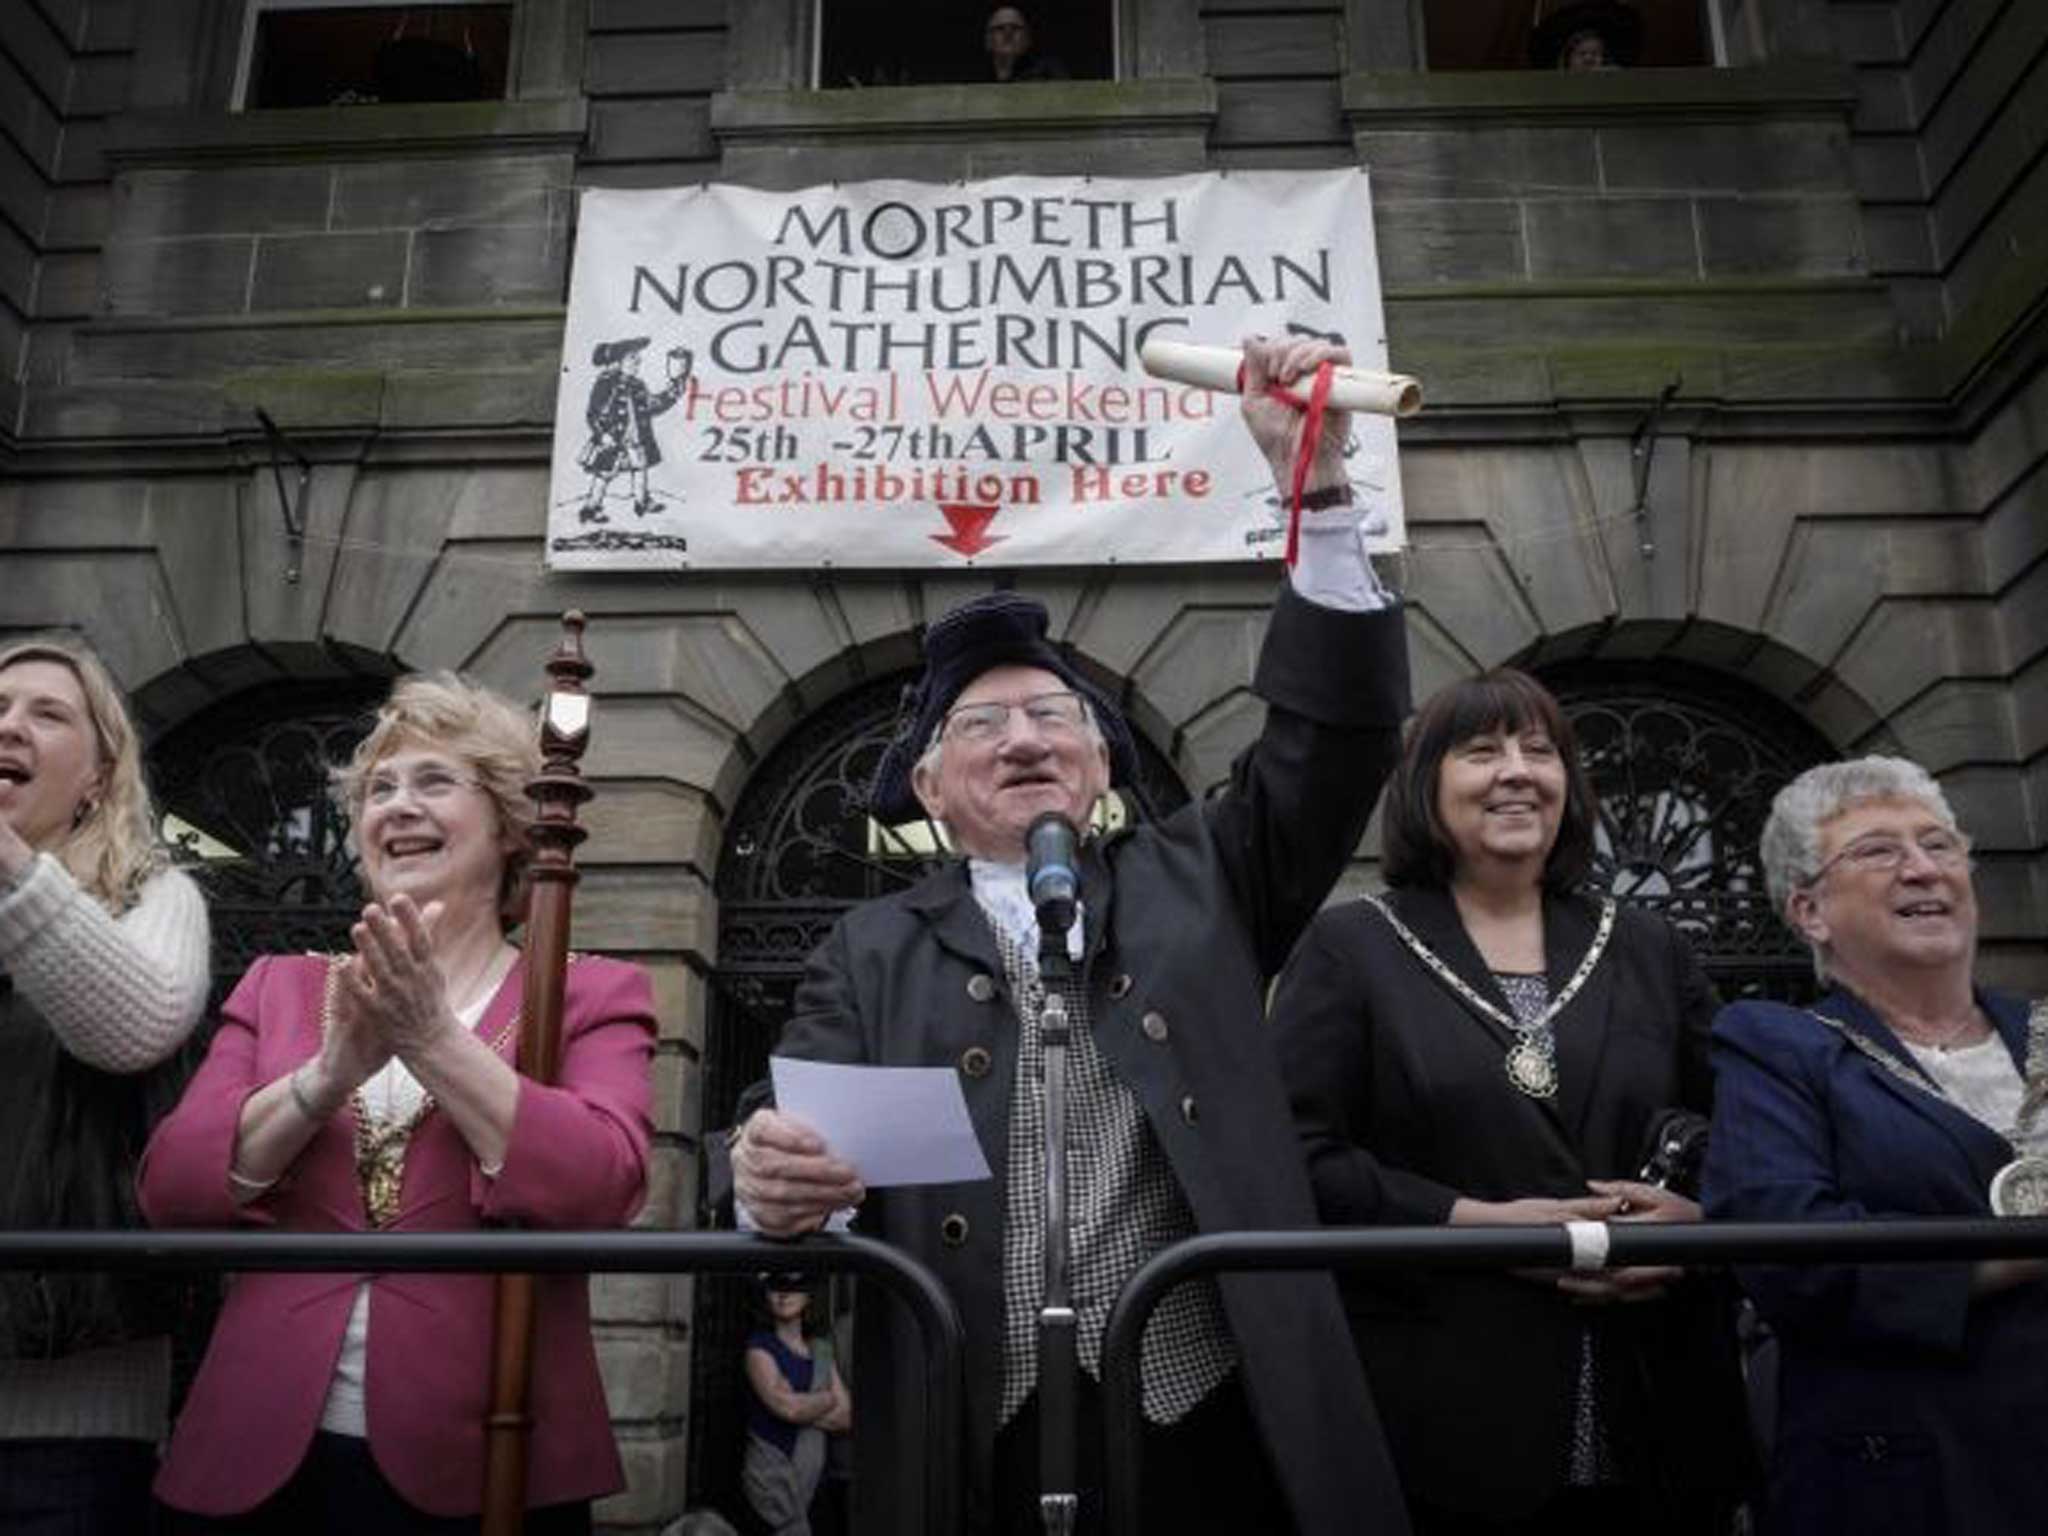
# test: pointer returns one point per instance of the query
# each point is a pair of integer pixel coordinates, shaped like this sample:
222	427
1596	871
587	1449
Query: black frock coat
1188	920
1400	1093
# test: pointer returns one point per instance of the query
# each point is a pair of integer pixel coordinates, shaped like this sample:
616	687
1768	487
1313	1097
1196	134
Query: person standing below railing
373	1092
1489	1043
1911	1397
794	1400
103	974
1176	1118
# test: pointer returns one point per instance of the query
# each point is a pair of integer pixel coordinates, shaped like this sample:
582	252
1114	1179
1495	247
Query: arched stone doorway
1685	762
800	850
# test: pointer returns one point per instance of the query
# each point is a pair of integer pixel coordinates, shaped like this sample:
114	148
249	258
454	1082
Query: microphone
1052	877
1222	368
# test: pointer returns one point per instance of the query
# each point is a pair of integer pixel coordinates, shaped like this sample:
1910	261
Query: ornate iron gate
243	790
1685	767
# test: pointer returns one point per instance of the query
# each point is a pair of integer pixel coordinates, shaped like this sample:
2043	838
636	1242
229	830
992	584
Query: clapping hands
394	979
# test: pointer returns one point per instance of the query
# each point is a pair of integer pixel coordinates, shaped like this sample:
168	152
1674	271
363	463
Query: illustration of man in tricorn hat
621	413
1256	1415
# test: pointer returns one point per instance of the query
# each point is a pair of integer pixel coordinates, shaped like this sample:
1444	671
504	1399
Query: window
313	53
932	42
1565	34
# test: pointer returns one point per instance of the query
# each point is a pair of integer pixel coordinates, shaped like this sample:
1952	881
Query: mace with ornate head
557	792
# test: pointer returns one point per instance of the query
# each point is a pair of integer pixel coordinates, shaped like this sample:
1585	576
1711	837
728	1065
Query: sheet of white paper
896	1125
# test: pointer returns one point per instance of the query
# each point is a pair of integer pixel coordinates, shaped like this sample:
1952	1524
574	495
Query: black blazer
1400	1094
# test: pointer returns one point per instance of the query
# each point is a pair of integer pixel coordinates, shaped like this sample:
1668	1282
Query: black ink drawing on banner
622	445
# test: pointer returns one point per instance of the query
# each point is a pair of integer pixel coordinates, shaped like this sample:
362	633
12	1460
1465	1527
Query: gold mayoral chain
2020	1188
381	1144
1532	1060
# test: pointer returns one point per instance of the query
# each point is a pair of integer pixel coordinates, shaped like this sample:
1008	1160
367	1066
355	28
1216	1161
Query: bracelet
246	1188
302	1099
1329	496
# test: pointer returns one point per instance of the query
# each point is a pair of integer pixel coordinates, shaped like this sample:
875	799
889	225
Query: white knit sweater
120	994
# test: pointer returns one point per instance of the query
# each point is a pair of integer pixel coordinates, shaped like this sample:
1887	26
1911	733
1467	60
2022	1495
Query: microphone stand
1058	1362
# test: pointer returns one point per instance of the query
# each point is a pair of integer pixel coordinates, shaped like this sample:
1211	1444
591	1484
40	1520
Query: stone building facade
1824	256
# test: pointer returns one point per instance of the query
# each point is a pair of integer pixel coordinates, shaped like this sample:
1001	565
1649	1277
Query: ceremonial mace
556	793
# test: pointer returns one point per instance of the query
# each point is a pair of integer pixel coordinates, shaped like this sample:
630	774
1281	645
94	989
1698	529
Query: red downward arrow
970	534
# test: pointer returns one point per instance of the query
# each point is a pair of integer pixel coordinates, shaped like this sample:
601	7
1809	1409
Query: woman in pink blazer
374	1091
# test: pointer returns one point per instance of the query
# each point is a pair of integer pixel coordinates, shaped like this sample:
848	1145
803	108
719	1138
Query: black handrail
557	1253
1367	1248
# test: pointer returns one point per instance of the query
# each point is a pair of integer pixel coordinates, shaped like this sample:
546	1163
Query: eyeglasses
428	786
1882	852
1050	712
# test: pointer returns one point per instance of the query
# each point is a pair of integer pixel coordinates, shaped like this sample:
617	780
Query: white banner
907	374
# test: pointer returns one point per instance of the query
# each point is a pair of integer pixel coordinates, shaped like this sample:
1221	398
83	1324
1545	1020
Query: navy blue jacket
1904	1403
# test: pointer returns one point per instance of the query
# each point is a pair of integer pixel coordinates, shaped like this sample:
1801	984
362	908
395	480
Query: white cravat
1000	890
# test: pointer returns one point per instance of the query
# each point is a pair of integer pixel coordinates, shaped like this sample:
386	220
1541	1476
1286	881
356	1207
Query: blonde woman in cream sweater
103	975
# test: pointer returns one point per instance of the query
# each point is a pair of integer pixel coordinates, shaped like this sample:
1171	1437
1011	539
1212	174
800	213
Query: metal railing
557	1253
1370	1248
1351	1249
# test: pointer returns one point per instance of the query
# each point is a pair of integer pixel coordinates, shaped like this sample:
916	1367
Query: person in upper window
103	977
1588	35
1491	1043
1006	38
375	1091
1911	1397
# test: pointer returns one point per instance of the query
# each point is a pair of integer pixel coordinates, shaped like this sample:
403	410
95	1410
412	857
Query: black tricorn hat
1620	26
995	630
606	353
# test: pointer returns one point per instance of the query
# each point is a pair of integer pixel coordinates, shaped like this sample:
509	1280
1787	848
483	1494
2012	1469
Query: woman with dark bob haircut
1489	1043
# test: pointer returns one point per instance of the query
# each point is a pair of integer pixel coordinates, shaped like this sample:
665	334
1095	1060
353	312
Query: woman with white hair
1911	1397
103	950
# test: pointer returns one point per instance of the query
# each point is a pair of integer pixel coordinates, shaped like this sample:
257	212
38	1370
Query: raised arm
120	993
1333	672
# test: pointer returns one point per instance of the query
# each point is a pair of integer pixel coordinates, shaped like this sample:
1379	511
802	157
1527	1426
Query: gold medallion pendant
1533	1070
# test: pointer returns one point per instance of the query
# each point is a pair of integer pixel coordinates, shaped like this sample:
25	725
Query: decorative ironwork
243	789
1685	774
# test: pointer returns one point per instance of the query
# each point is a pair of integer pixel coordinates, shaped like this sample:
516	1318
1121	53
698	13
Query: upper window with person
1574	36
925	42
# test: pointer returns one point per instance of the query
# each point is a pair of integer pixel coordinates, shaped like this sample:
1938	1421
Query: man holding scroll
1176	1119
